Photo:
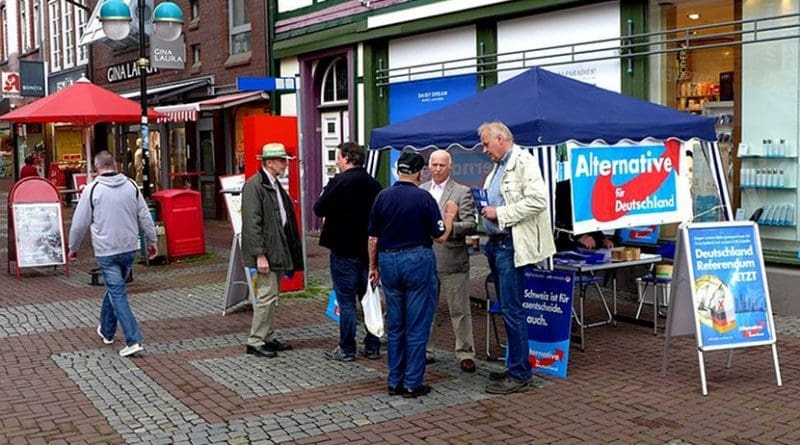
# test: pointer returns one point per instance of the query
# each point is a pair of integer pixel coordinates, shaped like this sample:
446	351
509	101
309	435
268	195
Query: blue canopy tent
543	109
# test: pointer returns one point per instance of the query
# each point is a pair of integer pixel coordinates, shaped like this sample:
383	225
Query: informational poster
411	99
39	234
730	297
548	310
232	193
624	185
641	234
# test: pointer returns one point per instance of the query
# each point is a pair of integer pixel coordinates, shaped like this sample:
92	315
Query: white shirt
437	189
276	185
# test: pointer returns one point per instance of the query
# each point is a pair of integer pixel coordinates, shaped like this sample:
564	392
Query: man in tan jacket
452	260
518	225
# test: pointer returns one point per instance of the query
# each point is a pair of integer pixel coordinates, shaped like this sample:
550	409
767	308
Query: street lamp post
167	25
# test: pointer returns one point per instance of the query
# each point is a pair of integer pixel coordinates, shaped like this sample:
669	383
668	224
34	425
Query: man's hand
262	265
587	241
490	212
152	251
73	256
450	210
607	243
374	276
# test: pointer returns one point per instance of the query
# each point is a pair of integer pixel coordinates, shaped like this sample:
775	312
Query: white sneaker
105	340
130	350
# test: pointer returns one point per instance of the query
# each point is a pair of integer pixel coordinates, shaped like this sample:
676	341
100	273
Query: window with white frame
334	83
80	24
196	62
54	14
24	26
68	34
4	24
239	26
37	20
194	10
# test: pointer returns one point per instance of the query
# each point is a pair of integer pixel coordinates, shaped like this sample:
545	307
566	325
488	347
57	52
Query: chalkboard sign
38	234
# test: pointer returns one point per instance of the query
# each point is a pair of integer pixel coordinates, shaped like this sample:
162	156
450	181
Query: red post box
182	214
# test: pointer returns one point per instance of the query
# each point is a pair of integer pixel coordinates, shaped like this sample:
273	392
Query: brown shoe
468	365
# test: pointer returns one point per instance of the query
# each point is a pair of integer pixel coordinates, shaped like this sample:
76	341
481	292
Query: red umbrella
82	103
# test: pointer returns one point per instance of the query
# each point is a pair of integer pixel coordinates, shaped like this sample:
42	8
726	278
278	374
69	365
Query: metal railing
626	47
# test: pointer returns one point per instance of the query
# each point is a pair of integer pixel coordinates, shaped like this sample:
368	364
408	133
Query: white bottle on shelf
790	219
782	148
781	179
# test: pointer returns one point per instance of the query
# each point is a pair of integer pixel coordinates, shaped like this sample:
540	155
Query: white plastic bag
373	314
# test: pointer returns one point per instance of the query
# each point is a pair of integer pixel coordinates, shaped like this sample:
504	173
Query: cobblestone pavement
194	384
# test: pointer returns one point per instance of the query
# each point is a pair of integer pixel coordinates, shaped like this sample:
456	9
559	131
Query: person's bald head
440	163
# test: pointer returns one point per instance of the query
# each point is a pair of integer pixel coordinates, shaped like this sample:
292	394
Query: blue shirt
405	216
495	197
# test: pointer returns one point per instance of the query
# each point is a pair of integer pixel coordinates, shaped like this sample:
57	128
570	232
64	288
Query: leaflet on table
730	296
548	308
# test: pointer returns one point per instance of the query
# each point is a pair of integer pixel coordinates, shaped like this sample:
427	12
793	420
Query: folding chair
659	287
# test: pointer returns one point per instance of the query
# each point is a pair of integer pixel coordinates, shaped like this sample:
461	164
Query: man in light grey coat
113	208
452	260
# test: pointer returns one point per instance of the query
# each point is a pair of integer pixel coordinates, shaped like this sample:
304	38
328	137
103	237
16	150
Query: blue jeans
349	276
115	269
508	283
409	282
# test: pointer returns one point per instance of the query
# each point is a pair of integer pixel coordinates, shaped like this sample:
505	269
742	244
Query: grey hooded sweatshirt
118	213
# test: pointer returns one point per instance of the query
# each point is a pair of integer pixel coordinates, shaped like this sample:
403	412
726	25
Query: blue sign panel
548	309
265	83
730	295
410	99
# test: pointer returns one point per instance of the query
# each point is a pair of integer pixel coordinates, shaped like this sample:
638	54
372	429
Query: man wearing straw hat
270	244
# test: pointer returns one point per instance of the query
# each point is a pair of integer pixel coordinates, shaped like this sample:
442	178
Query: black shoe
339	355
260	351
430	360
370	354
497	376
507	386
276	345
421	391
396	390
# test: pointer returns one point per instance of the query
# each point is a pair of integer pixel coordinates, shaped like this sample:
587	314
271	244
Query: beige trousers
267	288
454	288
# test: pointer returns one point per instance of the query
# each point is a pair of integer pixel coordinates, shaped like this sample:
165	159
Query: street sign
266	84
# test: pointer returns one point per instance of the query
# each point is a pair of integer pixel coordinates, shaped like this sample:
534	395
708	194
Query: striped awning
178	113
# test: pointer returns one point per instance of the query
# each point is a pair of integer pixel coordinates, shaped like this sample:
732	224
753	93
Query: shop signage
622	186
410	99
265	84
548	314
32	78
126	71
63	79
719	291
11	84
167	55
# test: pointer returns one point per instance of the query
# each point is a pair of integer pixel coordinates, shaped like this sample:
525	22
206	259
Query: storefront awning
178	113
189	112
170	89
231	100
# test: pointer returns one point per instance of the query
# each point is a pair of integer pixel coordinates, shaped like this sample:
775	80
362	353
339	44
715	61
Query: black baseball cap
410	163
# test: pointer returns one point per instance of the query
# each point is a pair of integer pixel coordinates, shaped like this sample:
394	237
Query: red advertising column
260	130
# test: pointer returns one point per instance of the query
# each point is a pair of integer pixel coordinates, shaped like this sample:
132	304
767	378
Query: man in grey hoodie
115	211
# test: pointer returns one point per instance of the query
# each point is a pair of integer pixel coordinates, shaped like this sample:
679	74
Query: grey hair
496	128
104	161
445	152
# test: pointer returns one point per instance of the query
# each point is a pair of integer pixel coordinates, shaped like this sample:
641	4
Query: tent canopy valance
544	108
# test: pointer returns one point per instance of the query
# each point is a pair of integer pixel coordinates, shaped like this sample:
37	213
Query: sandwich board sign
719	292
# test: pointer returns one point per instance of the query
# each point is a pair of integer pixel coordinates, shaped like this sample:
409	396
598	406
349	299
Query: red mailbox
182	214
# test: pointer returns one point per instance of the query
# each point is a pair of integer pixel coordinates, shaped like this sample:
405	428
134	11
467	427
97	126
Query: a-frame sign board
239	285
719	292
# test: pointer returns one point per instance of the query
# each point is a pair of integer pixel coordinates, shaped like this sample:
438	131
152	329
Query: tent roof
544	108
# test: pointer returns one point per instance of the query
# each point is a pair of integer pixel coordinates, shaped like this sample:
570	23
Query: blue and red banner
623	186
730	297
548	310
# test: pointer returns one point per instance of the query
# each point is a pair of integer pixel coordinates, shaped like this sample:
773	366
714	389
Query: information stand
239	281
36	235
719	292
